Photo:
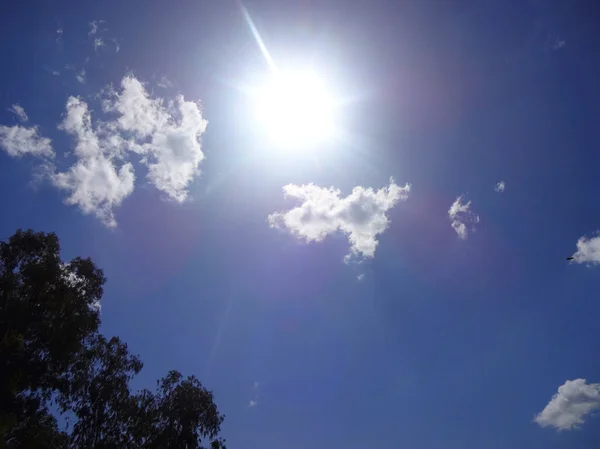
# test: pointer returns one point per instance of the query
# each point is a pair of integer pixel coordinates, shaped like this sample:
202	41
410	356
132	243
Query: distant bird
570	258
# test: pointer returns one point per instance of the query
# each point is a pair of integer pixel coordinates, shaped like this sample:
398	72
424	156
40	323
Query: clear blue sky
453	338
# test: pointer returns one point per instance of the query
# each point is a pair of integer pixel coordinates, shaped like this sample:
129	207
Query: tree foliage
179	414
52	356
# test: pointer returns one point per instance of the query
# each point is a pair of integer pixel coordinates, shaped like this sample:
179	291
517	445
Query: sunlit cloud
570	406
19	141
588	250
323	211
462	219
163	136
96	183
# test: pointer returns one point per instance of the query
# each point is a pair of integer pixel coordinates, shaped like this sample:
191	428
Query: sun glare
296	110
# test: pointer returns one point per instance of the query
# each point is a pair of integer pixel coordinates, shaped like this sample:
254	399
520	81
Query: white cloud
171	148
559	43
98	36
165	83
569	406
361	215
500	187
360	277
94	27
138	113
588	250
18	141
98	42
19	112
461	217
80	75
163	136
95	184
254	401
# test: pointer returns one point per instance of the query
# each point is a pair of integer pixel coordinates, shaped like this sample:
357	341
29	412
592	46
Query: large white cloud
171	147
461	217
95	184
588	250
18	141
570	405
361	215
163	136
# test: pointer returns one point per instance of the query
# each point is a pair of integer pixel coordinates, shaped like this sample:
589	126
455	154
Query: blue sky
456	319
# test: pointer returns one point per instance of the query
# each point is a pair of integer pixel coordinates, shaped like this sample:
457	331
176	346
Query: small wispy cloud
461	217
98	42
94	27
80	76
19	112
165	83
558	44
360	277
500	186
51	70
99	37
254	400
569	407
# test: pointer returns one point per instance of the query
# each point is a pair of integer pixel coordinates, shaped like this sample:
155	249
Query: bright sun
296	110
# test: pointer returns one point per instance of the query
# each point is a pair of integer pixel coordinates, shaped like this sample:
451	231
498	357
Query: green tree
179	415
47	310
51	353
97	394
35	428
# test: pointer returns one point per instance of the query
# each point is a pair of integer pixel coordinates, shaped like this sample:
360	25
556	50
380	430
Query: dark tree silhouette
179	414
97	393
47	310
52	356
